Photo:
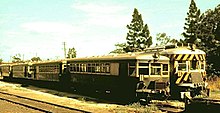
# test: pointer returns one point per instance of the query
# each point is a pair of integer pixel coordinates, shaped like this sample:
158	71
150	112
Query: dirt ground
74	103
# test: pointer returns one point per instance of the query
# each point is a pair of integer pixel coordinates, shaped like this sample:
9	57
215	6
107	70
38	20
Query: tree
163	39
36	59
17	58
209	38
191	25
1	60
71	53
119	48
145	38
138	36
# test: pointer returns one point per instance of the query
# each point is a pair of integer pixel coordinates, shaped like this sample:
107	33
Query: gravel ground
69	102
7	107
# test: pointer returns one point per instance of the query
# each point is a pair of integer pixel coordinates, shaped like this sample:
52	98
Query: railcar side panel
47	71
19	71
5	70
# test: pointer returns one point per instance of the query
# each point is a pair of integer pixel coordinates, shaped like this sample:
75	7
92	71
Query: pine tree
191	24
138	36
209	38
71	53
145	38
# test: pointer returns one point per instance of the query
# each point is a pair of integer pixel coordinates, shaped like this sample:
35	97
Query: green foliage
163	39
71	53
1	60
209	37
191	25
138	36
36	59
119	48
16	58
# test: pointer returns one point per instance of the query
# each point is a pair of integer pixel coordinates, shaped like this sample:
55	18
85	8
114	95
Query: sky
40	27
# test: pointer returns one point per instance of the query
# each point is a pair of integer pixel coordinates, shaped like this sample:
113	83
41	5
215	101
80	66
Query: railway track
38	105
196	105
204	105
169	106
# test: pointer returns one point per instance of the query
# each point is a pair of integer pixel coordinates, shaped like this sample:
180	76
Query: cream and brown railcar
125	74
187	72
20	70
5	70
47	70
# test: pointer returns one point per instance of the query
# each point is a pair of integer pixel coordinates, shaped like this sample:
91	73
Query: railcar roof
47	62
182	50
128	56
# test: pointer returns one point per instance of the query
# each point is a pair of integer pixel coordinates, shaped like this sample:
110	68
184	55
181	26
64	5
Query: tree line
17	58
201	29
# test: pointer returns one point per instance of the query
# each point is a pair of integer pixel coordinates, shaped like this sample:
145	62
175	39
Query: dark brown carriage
125	75
47	70
5	70
20	70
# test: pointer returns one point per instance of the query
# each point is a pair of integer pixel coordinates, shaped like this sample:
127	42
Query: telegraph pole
64	48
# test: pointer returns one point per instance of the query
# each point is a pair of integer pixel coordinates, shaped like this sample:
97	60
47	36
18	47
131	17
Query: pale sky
39	27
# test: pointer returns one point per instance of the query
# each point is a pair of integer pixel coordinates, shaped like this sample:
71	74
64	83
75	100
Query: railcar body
5	69
20	70
47	71
187	74
124	74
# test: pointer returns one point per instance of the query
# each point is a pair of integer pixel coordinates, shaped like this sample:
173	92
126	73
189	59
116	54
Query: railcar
5	70
124	75
47	70
20	70
187	71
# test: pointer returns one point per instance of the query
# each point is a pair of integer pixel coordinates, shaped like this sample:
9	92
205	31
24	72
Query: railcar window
156	64
165	69
48	68
102	68
93	68
77	67
132	69
90	67
203	65
107	68
143	64
182	65
194	65
143	68
18	68
132	72
5	69
97	68
83	67
155	69
132	64
144	71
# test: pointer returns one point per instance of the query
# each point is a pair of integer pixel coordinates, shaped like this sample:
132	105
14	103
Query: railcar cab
187	70
153	73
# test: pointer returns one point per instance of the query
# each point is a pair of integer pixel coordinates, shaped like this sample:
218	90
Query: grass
214	83
136	108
